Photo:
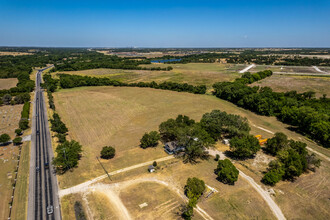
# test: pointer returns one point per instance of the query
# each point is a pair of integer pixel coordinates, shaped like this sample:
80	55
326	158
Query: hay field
284	83
192	73
8	83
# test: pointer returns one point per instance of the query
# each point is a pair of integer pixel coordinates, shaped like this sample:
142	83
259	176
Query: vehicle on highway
37	169
38	132
47	165
50	209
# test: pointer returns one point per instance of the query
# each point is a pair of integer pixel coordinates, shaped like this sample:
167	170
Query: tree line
305	113
71	81
68	153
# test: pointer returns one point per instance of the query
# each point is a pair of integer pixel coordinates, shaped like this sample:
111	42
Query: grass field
19	210
192	73
284	83
8	83
99	116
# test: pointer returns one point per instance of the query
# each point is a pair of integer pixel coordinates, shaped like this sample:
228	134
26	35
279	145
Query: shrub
108	152
226	172
150	140
18	131
217	157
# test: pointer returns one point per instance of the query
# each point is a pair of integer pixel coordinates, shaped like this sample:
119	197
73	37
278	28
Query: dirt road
270	202
308	148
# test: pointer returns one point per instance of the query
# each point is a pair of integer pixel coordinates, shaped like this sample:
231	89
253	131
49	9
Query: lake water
164	61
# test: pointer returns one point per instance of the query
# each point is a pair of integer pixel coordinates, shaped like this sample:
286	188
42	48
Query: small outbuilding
225	141
151	169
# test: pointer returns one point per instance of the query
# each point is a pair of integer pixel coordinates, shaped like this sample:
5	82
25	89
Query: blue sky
159	23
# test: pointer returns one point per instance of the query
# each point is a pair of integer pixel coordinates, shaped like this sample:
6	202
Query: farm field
192	73
8	83
284	83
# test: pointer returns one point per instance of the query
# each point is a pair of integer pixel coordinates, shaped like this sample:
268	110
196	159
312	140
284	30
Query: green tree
276	143
217	157
23	124
17	141
226	172
68	155
4	138
150	139
194	189
108	152
244	147
6	99
154	163
218	123
18	131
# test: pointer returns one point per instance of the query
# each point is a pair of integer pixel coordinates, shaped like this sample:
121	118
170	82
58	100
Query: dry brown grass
9	118
8	161
161	202
284	83
8	83
19	211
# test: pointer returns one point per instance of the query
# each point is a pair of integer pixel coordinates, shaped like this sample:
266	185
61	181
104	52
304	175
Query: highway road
43	201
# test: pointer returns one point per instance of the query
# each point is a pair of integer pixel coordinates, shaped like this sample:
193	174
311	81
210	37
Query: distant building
151	169
173	148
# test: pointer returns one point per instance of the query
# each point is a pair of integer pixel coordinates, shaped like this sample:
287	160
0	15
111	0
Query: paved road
43	188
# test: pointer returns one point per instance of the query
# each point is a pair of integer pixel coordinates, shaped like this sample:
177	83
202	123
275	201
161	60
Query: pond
165	61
